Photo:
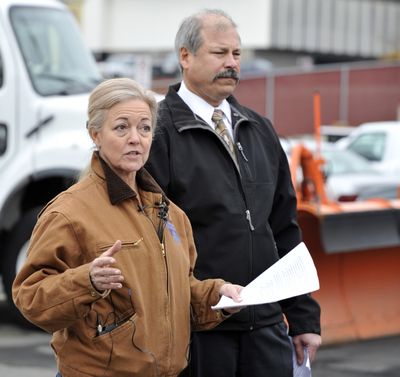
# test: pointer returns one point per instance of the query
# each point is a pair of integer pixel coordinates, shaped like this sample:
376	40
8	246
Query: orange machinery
356	249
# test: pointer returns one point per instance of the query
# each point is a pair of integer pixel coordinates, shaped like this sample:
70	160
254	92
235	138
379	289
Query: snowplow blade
357	255
358	231
356	250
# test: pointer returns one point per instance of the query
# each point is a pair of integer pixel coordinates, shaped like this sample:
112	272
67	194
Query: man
235	186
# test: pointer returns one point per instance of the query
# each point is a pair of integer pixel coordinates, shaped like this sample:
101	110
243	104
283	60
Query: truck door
7	101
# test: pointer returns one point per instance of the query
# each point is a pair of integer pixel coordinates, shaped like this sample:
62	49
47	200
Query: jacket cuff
95	293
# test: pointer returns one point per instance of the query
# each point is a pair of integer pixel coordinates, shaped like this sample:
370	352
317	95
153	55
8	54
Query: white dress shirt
203	109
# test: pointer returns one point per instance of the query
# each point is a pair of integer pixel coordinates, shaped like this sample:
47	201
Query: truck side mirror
3	139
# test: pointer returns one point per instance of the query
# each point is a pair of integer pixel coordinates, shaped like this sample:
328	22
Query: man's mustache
230	74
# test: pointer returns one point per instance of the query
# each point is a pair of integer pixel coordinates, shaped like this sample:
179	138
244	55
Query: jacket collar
118	190
183	117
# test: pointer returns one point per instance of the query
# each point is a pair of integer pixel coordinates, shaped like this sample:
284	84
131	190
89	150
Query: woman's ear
94	135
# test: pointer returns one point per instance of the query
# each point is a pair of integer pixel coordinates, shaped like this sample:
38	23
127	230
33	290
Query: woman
110	264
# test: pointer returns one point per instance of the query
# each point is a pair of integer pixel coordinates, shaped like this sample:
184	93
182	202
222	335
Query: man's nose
232	61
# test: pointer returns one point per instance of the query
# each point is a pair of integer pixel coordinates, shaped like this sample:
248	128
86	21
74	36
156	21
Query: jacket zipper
241	151
247	211
248	218
163	252
248	214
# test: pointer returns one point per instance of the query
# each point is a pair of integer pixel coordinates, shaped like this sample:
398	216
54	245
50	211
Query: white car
348	176
378	142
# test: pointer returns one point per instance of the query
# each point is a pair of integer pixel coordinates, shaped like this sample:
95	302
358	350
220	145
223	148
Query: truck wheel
15	255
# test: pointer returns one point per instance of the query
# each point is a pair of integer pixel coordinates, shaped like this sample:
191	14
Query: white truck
46	74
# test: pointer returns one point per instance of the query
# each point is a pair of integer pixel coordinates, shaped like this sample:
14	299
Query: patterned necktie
222	130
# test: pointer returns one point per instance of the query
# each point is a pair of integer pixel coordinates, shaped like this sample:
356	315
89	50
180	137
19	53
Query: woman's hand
232	291
102	275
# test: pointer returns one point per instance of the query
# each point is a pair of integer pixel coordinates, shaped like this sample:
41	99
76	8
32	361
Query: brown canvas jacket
151	313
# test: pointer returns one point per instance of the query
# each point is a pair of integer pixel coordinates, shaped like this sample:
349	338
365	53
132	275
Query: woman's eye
120	127
145	128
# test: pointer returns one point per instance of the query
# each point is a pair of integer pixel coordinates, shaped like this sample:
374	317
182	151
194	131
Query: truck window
371	145
56	58
1	70
3	138
3	129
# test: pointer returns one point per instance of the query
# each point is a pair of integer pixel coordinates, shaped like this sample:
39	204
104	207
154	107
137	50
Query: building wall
351	93
359	28
151	25
364	28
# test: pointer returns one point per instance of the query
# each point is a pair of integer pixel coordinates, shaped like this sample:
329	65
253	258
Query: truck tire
15	255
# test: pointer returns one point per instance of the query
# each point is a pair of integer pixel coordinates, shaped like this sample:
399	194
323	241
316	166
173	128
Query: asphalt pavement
26	352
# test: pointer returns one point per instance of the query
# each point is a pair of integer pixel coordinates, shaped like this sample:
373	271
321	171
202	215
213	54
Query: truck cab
46	75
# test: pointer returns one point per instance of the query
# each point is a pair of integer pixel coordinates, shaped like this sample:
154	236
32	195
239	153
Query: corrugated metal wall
364	28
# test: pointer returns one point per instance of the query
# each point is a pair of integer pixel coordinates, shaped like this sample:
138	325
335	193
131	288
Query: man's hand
310	341
102	274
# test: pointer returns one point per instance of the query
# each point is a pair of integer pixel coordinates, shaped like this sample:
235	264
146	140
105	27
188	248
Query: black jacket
243	216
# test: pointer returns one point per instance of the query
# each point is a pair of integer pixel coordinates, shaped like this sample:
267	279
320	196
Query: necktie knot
217	116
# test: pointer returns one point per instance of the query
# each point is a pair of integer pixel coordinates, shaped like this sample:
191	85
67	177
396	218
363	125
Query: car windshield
56	58
346	162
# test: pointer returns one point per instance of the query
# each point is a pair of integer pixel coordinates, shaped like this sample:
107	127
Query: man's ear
184	56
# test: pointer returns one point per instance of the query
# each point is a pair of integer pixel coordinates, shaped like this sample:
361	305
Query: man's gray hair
189	33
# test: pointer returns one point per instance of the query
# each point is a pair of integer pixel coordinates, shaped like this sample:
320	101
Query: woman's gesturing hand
232	291
101	272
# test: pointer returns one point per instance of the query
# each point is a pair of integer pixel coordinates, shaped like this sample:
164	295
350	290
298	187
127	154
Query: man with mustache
234	184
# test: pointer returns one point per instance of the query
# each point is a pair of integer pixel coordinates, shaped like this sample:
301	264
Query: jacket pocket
114	329
124	245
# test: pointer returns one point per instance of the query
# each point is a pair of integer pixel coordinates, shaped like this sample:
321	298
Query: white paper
292	275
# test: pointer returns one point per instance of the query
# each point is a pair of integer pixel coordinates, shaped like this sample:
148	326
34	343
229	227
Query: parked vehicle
118	65
385	191
348	176
335	132
46	74
127	64
378	142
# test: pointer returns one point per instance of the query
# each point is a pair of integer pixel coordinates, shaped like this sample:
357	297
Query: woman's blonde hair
113	91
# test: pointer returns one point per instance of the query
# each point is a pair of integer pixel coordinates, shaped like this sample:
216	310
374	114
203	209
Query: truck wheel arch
32	198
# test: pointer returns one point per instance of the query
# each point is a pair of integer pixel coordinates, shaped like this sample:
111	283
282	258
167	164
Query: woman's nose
133	136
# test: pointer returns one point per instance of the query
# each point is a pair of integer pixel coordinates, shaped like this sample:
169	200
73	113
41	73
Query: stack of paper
292	275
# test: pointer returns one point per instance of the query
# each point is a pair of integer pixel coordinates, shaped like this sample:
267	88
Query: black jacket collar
183	116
